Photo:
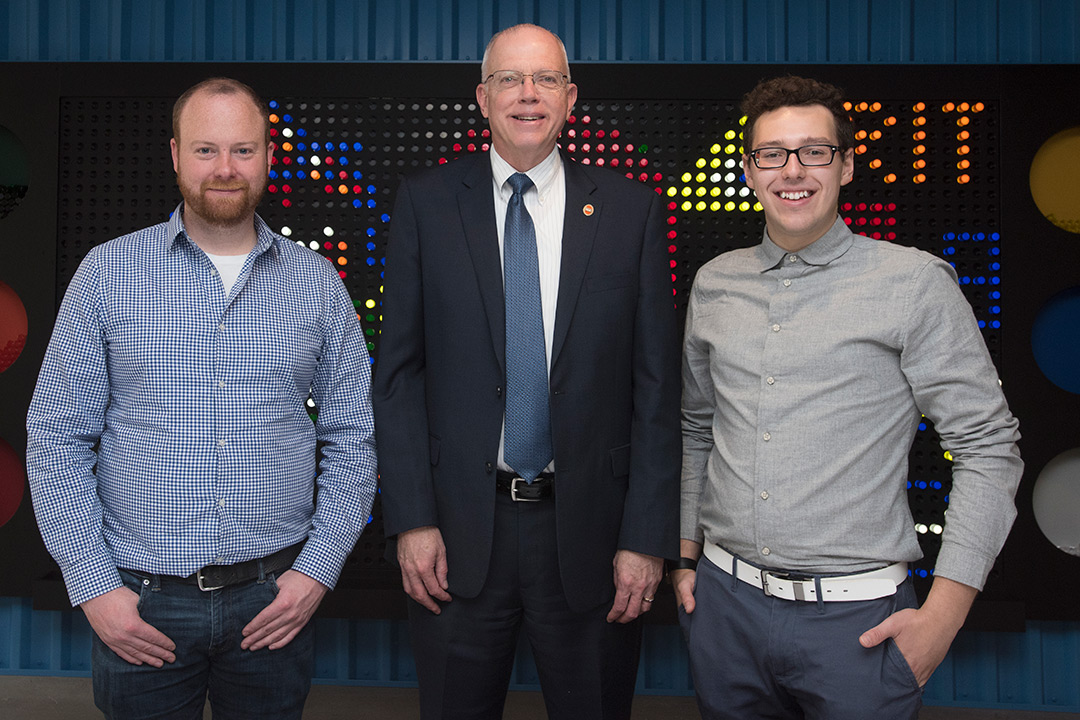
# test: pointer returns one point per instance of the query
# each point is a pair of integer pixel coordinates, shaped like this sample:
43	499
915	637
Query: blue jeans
206	629
753	656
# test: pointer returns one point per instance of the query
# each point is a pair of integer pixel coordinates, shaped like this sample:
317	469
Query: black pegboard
113	175
338	161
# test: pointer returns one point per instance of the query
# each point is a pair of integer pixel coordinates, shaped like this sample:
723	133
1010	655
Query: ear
175	153
482	98
270	147
571	99
849	167
748	167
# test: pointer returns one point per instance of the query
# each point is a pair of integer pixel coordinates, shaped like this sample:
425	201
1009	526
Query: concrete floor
53	698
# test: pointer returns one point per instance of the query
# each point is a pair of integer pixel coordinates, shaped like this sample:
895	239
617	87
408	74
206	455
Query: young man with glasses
807	362
526	395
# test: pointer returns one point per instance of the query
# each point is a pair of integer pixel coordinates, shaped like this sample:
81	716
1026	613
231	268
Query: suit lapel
579	232
477	206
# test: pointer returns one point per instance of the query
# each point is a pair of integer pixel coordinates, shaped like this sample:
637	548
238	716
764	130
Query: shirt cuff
963	565
322	561
92	576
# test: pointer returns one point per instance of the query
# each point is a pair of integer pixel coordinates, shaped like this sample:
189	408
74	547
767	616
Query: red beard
222	211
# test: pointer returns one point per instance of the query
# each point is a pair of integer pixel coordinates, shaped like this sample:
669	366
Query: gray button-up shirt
804	377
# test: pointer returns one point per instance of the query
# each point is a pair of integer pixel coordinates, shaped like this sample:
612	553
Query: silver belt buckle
199	579
514	491
764	583
797	589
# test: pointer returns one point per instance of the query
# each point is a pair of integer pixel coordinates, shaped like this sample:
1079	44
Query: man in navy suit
521	500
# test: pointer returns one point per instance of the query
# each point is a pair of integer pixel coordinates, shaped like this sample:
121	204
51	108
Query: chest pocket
602	283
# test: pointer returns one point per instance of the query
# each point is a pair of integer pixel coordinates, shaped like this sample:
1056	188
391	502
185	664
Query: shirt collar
543	175
822	251
265	238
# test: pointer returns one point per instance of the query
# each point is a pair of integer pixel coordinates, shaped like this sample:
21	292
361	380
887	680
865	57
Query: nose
528	88
792	167
224	164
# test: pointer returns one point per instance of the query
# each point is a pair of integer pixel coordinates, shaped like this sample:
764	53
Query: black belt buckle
515	483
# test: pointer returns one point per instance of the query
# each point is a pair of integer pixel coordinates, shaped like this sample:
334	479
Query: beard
222	211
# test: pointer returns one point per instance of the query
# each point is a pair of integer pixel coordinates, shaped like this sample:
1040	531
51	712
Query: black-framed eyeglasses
550	80
771	158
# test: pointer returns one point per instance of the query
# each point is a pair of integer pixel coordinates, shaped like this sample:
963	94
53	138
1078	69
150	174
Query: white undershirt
228	267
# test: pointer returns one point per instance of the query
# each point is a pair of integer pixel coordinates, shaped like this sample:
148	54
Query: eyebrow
805	141
242	143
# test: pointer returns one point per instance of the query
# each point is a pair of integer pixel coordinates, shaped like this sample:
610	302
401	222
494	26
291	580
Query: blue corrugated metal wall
1038	669
751	31
1034	670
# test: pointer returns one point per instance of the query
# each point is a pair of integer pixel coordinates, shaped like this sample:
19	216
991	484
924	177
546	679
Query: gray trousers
754	656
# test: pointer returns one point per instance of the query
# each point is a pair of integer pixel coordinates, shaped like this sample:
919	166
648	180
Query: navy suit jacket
614	381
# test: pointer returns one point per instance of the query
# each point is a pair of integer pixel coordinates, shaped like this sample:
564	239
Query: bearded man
171	456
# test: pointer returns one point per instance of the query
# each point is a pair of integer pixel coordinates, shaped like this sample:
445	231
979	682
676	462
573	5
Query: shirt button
776	328
221	327
764	495
221	442
770	380
767	436
213	271
792	258
221	502
220	559
787	283
765	551
221	383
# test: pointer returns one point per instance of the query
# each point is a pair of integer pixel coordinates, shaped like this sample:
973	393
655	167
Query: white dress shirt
545	203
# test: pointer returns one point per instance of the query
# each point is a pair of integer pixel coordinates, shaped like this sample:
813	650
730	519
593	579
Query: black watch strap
683	563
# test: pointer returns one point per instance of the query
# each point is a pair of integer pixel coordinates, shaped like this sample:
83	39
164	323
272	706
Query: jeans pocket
138	584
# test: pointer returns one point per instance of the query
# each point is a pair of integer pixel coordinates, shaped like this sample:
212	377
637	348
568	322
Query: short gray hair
487	50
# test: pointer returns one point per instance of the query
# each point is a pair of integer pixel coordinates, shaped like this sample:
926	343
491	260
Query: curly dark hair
789	91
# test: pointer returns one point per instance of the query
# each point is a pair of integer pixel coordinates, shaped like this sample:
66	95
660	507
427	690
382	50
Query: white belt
776	583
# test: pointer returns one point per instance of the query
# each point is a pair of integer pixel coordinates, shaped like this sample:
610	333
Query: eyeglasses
549	80
770	158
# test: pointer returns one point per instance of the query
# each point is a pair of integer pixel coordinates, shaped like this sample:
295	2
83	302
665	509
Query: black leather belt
520	491
215	577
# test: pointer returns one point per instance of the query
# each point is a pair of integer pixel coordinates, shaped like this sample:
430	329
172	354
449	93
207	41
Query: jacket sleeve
398	391
651	509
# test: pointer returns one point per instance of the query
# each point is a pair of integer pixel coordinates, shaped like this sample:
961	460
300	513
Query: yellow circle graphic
1055	179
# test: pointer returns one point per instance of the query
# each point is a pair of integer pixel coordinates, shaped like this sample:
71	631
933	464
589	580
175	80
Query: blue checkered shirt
169	427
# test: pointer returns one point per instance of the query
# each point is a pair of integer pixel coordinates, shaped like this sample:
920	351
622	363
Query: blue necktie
527	443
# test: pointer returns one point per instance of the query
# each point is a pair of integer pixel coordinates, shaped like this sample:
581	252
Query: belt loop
262	571
820	596
734	574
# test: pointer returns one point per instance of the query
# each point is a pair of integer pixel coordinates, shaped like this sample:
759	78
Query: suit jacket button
488	468
498	391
